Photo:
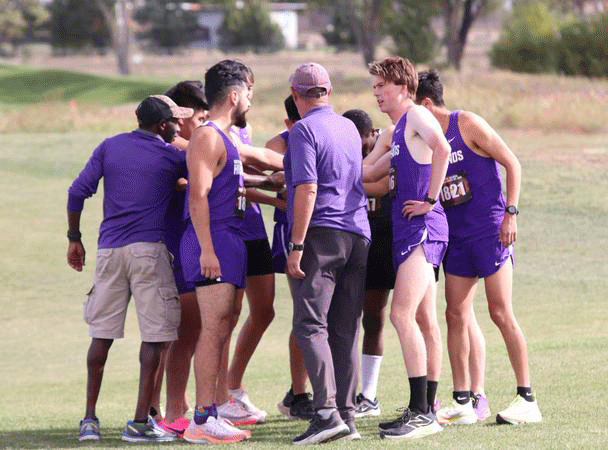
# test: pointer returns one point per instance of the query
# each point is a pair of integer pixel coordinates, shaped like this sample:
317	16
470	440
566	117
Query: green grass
559	296
19	85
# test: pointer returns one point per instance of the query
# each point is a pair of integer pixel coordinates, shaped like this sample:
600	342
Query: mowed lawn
561	280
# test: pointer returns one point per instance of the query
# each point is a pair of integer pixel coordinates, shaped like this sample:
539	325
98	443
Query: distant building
210	18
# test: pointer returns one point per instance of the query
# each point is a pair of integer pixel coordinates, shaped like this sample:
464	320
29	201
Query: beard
168	135
240	120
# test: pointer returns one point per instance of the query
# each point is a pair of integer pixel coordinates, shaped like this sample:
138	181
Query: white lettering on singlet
456	156
394	150
238	167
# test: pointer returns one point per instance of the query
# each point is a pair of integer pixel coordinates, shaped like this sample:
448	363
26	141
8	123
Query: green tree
18	19
247	26
168	25
77	24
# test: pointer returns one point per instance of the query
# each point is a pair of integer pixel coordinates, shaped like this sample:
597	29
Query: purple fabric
476	258
252	226
281	216
139	173
222	196
412	183
482	215
325	148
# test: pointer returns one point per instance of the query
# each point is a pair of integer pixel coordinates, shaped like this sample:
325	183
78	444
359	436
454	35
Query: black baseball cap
155	108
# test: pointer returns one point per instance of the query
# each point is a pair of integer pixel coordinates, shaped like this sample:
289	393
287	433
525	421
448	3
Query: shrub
583	48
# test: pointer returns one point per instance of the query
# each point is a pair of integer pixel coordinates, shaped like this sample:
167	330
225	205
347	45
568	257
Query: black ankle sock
526	393
431	392
461	397
153	411
418	400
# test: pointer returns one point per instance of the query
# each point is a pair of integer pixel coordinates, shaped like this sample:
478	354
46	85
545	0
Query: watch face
512	209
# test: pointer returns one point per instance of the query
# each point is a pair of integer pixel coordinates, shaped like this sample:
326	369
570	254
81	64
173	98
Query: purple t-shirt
140	172
324	148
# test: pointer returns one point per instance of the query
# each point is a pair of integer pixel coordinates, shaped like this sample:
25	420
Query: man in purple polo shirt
140	171
330	235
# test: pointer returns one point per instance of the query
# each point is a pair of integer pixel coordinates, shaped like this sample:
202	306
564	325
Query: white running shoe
240	396
520	411
236	413
457	414
213	431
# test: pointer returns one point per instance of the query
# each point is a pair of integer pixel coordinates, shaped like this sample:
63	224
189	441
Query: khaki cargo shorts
143	270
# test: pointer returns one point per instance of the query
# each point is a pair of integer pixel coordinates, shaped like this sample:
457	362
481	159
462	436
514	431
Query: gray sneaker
89	430
353	434
323	430
145	432
366	407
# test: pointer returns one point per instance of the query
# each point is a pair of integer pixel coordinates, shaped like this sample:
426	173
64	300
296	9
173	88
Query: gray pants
327	307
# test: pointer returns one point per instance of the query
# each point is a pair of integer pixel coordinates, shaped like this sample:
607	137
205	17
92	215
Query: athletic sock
325	413
431	392
370	371
461	397
418	400
202	413
526	393
153	411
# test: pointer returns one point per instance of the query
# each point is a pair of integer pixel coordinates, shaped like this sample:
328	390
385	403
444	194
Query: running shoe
410	425
178	426
520	411
145	432
323	430
236	413
240	396
481	407
353	434
89	430
436	406
213	431
366	407
301	407
457	414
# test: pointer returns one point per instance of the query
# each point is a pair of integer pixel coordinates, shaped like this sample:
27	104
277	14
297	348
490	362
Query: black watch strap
74	236
512	209
430	200
296	247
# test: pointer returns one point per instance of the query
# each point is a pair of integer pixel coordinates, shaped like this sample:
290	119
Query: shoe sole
142	439
418	433
90	437
457	421
513	421
325	436
482	417
212	440
368	413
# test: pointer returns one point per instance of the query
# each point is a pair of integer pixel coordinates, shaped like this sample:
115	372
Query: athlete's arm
262	158
376	189
428	128
253	195
76	253
303	206
277	144
382	146
180	142
378	170
205	154
483	138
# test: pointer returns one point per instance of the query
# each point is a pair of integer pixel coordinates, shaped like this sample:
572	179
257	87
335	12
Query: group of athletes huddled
358	211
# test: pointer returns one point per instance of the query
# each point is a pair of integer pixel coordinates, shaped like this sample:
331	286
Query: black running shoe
410	425
284	405
323	430
301	407
366	407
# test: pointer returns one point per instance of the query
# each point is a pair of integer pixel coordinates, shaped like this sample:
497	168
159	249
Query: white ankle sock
370	371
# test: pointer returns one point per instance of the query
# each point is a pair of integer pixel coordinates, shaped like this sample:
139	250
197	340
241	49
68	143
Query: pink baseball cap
309	76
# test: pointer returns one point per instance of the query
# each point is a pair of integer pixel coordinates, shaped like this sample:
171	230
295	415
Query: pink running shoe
481	407
178	426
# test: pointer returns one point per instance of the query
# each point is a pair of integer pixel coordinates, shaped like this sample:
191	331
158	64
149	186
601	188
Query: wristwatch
74	236
430	200
512	209
295	247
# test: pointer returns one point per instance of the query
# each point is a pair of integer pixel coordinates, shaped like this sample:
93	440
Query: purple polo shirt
139	172
324	148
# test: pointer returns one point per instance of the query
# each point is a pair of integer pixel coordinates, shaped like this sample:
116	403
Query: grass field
561	278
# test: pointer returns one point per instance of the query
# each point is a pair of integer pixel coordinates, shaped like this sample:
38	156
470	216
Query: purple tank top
472	192
252	227
281	216
226	203
410	180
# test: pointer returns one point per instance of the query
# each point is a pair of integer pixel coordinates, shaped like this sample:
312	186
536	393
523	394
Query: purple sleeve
303	156
85	185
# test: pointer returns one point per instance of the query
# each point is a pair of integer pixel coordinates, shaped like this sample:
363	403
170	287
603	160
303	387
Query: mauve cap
309	76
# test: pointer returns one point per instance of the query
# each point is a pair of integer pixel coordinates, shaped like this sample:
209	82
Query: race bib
392	182
373	204
455	190
241	202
